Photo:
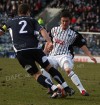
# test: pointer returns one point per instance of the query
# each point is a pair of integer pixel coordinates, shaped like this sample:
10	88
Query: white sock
45	73
77	82
64	84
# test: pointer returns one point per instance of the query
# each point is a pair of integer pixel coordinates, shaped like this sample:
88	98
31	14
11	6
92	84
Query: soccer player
25	44
64	39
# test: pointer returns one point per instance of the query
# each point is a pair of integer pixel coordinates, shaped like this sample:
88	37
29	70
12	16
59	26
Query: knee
71	73
33	72
48	67
36	75
68	70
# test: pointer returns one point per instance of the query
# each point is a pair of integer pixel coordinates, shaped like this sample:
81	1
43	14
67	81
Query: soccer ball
62	91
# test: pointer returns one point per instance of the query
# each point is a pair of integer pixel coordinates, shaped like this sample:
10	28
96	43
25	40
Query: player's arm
3	29
45	35
81	43
46	49
88	53
43	32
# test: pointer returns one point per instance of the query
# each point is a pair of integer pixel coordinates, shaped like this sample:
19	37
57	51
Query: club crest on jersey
59	41
57	33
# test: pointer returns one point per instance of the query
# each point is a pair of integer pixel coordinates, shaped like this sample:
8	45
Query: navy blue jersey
22	32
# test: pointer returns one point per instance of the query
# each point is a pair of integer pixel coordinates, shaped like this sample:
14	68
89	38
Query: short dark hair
65	13
23	8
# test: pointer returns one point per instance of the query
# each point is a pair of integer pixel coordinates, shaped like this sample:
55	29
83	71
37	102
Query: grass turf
18	88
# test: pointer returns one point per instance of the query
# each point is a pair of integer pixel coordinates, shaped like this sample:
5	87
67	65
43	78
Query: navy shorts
28	59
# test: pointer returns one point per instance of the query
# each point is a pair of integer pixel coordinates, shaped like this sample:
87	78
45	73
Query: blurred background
85	19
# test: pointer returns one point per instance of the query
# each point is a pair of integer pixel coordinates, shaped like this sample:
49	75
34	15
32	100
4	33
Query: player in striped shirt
64	39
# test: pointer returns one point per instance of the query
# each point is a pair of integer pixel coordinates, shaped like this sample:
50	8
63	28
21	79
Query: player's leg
53	63
29	65
75	79
56	75
46	74
67	65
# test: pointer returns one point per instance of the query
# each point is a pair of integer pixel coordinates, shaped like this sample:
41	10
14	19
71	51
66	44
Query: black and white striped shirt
63	40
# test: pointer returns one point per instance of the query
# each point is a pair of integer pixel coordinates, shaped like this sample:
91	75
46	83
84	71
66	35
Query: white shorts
53	62
63	61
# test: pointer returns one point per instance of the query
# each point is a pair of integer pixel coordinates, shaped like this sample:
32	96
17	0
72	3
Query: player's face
65	21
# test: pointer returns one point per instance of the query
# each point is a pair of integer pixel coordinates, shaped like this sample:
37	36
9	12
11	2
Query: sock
46	74
77	82
64	85
45	82
56	75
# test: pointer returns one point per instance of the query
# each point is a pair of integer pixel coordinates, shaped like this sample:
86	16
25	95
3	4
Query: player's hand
49	46
94	60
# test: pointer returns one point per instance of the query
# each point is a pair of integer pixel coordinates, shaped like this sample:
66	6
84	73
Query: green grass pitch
18	88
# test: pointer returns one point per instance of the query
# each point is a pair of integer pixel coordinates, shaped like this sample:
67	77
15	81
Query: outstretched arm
88	53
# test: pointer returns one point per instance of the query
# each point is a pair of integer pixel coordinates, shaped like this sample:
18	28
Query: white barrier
90	33
85	59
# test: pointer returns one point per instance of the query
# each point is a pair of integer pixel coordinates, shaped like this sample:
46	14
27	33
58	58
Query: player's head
23	9
65	19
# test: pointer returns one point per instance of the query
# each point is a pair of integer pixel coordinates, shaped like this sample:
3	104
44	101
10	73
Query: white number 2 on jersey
22	30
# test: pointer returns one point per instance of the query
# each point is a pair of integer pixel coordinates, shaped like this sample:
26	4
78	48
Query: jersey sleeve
37	27
6	25
4	28
79	41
